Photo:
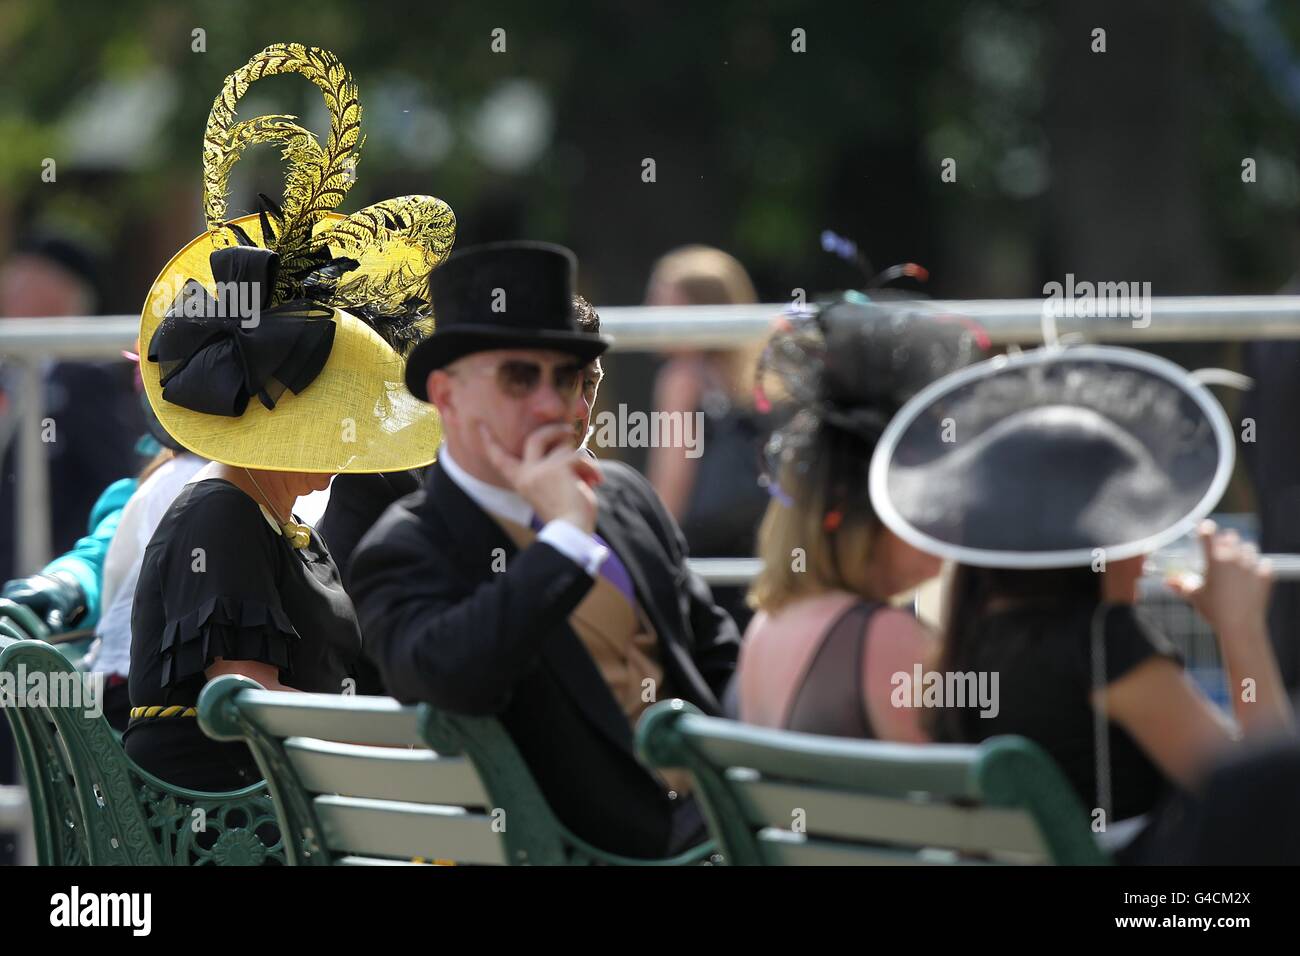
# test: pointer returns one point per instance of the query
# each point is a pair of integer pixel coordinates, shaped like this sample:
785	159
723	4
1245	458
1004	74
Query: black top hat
1040	460
504	295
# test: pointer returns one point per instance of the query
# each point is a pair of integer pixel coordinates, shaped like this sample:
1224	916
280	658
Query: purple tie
612	570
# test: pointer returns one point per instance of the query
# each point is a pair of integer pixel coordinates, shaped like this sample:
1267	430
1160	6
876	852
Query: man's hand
552	476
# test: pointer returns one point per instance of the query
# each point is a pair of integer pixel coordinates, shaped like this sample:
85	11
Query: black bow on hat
214	354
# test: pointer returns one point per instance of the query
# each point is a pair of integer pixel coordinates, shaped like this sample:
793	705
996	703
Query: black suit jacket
355	504
444	627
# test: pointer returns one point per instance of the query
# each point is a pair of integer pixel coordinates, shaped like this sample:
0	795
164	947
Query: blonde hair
708	276
705	276
833	559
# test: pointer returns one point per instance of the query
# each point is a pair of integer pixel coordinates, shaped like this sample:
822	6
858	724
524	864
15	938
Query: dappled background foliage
1118	165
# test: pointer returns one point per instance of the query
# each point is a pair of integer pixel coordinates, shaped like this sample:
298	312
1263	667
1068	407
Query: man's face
592	373
510	392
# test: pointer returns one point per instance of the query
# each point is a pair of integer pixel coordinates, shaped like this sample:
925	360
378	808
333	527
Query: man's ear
438	388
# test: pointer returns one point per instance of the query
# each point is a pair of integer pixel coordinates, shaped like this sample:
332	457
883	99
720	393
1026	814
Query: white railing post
32	518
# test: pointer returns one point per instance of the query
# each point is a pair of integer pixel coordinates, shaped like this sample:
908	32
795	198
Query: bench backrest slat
918	822
378	721
782	848
385	828
384	773
885	768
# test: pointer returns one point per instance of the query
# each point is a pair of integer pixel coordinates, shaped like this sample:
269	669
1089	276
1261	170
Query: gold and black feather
376	262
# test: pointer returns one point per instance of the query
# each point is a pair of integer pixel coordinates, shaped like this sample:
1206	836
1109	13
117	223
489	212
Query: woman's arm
1255	684
264	674
1169	717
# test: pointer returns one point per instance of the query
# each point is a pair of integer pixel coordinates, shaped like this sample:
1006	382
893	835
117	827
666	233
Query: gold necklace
299	535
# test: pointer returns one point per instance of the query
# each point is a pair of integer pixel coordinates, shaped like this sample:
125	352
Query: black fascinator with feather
842	369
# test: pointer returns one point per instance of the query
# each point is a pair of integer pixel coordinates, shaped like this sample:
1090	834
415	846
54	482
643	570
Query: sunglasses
519	378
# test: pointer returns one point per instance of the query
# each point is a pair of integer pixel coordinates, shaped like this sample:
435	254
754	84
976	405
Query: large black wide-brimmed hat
503	295
1038	460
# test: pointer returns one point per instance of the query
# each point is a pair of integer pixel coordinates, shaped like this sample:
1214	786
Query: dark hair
585	313
971	591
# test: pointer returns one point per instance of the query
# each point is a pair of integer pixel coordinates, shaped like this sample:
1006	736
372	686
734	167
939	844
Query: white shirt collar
501	502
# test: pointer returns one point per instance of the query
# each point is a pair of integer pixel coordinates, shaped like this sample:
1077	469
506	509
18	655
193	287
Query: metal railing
651	328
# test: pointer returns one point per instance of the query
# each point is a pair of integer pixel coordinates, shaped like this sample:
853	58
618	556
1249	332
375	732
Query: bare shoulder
893	632
894	620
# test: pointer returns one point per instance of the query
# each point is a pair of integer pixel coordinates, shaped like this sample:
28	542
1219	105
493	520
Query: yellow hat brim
356	416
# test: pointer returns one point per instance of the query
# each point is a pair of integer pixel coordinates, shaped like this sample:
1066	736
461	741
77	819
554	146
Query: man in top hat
529	582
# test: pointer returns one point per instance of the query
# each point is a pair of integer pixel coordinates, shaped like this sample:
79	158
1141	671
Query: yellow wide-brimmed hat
311	378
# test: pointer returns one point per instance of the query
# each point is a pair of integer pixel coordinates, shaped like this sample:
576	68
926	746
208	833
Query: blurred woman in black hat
820	654
1048	477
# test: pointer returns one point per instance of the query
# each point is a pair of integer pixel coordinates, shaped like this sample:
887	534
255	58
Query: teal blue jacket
85	561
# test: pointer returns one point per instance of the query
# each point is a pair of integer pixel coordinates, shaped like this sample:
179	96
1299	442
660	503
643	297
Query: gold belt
176	710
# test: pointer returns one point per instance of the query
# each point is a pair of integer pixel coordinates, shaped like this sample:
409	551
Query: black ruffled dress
218	580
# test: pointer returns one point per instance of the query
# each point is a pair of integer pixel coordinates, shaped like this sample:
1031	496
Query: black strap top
830	700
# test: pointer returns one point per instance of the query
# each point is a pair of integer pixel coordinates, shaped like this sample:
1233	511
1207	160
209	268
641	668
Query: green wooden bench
367	781
92	805
781	798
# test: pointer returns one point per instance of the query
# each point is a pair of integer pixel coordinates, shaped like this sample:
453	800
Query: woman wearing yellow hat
273	348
